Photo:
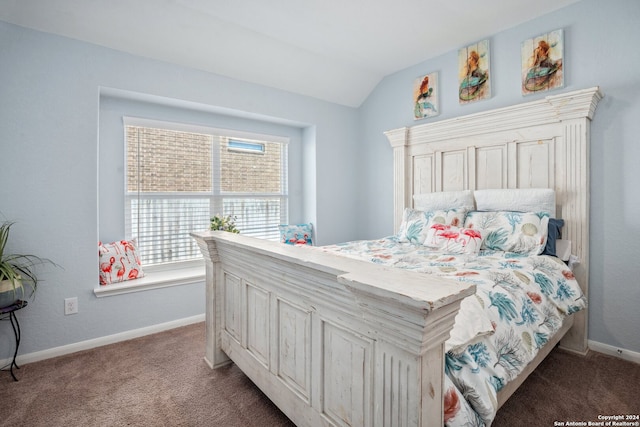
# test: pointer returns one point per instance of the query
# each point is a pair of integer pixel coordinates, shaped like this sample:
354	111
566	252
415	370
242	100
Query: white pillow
444	200
517	199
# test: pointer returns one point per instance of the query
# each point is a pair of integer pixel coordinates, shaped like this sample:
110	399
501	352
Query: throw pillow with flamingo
523	233
416	224
455	240
119	261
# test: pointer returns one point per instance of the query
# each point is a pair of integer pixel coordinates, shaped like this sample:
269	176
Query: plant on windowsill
17	271
224	223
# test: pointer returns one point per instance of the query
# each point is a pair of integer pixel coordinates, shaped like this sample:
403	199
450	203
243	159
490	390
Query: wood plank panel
423	174
347	377
453	173
535	164
258	325
233	305
491	167
399	376
294	341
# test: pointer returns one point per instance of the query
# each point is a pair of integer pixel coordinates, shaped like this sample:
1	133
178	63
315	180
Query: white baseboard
621	353
98	342
610	350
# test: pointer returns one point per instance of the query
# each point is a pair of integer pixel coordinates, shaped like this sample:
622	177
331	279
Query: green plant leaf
18	268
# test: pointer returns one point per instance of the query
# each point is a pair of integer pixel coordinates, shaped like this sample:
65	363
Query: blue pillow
555	232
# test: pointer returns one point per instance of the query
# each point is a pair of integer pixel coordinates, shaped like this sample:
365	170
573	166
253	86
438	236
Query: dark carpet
162	380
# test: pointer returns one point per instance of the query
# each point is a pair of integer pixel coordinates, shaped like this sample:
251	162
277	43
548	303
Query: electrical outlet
70	305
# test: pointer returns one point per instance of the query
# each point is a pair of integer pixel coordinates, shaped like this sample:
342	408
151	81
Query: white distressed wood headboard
538	144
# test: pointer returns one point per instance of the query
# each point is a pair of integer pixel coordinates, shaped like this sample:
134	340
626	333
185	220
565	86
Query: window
178	177
246	146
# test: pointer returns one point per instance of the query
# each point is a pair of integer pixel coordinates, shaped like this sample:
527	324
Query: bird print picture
473	72
425	96
542	63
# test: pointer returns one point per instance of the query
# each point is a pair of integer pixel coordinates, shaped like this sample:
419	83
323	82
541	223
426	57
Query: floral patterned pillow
520	232
119	261
415	224
296	234
454	240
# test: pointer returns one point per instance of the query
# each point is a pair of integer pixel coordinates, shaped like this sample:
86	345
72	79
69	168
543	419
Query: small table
9	312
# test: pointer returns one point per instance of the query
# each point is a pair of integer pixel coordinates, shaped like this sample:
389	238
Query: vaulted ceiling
334	50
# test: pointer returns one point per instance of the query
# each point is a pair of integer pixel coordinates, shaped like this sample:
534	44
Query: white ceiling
335	50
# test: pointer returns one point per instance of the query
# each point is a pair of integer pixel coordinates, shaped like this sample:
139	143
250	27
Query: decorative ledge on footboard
415	315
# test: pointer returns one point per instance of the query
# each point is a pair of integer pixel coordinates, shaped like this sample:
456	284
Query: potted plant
224	223
17	271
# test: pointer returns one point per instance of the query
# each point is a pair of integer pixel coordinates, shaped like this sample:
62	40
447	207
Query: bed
334	339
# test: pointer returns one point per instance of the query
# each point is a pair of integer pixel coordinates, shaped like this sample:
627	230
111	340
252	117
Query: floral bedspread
524	300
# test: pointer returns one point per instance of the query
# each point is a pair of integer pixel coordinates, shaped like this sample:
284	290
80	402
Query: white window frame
189	272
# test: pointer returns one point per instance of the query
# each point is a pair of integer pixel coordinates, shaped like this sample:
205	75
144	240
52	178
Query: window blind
177	180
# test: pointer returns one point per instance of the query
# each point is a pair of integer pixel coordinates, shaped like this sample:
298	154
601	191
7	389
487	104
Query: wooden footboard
330	340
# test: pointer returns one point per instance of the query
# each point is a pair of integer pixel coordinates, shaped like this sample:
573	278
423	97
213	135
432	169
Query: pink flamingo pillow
119	261
455	240
296	234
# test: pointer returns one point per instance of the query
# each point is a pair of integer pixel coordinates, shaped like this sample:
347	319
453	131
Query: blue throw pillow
555	232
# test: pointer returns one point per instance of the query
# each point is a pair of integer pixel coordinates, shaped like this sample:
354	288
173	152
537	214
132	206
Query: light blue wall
601	49
50	90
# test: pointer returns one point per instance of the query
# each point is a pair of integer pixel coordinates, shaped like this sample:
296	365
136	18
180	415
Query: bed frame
334	341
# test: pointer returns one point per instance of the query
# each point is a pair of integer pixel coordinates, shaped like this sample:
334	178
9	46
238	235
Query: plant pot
10	292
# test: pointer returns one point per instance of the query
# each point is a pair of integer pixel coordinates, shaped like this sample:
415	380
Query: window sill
154	280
